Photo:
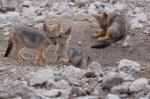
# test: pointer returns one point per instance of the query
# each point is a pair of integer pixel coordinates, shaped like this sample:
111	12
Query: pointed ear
105	15
45	27
68	32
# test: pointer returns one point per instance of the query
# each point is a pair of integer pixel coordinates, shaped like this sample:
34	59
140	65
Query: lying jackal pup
67	56
113	26
26	37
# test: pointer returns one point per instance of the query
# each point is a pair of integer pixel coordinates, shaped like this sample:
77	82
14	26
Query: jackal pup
114	27
66	56
29	38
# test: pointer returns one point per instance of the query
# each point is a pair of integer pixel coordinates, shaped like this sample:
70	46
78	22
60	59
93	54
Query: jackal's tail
9	48
101	45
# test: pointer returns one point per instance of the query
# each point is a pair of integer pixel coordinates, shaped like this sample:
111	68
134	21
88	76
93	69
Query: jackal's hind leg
21	56
17	51
104	39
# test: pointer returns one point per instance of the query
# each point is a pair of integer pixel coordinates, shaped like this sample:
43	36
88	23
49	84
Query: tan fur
31	38
113	27
62	46
67	56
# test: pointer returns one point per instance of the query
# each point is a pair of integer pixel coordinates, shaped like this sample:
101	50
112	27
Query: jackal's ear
45	27
105	15
68	32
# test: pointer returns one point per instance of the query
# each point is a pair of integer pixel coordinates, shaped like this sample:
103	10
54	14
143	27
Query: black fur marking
9	48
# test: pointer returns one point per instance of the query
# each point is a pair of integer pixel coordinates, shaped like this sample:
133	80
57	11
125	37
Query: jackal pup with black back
113	25
33	39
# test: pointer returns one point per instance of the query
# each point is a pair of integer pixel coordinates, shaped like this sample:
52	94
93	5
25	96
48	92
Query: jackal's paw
96	35
99	33
42	63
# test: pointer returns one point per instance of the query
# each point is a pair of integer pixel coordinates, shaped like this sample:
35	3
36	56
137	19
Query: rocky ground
120	71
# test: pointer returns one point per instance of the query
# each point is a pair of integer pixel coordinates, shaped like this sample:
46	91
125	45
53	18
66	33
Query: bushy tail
9	48
102	45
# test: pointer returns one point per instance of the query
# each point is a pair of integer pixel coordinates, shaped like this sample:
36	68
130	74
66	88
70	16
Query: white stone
13	16
112	75
144	97
111	96
109	9
140	17
44	94
61	84
135	24
40	25
138	85
50	94
61	8
39	19
119	6
87	97
96	67
138	10
126	41
132	66
72	72
81	1
3	18
28	12
41	76
64	9
44	2
91	8
15	89
6	33
27	3
147	30
122	88
17	98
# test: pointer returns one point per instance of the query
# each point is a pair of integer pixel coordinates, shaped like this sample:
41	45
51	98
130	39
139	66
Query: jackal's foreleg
41	59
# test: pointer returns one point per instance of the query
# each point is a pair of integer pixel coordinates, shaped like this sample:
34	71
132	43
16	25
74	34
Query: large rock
139	84
113	78
28	12
62	84
122	88
50	94
26	3
144	94
42	76
72	72
61	8
87	97
135	24
111	96
3	18
13	89
130	66
96	67
13	16
140	17
10	16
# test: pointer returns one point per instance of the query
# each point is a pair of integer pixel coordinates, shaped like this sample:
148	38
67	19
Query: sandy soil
83	27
